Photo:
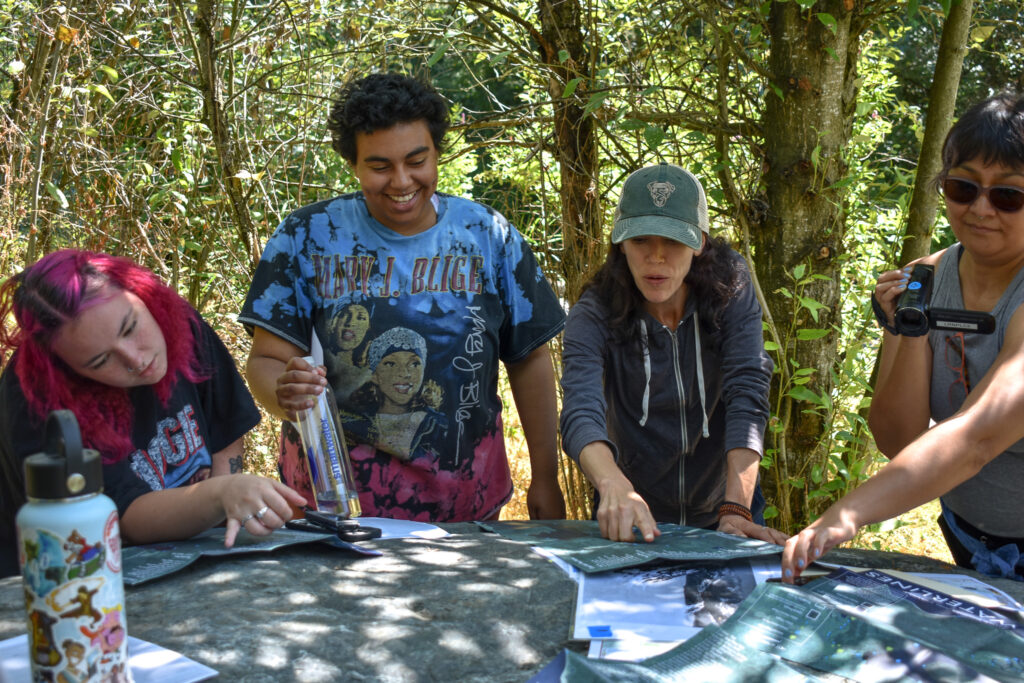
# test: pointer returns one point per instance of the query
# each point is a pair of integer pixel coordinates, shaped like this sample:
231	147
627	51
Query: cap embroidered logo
660	191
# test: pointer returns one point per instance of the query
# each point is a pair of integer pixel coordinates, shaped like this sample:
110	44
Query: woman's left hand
740	526
838	525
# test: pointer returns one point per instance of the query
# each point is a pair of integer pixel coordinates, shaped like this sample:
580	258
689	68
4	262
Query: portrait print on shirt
413	329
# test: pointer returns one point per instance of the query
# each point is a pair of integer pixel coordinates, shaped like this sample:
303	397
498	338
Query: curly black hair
714	278
380	101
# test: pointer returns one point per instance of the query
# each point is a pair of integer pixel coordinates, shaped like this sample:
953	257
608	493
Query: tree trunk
807	123
220	128
565	57
564	54
956	30
941	103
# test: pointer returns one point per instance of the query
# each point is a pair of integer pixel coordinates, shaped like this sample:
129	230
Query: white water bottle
69	546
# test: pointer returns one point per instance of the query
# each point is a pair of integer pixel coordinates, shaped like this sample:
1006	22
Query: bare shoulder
932	259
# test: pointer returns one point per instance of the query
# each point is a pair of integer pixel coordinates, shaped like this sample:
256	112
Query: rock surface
469	607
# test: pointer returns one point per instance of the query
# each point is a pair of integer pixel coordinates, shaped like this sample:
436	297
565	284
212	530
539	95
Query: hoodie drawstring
700	375
647	371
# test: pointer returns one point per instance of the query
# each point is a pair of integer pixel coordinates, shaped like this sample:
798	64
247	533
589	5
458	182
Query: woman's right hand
890	285
621	510
299	385
255	503
621	507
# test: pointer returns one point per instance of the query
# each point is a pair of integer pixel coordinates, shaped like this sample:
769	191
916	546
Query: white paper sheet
664	602
149	663
401	528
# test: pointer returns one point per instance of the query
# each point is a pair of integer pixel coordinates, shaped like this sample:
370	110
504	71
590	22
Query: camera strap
881	317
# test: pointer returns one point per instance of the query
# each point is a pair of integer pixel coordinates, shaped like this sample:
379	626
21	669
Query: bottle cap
64	469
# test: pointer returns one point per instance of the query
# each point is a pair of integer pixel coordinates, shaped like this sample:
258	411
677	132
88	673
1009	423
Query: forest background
180	133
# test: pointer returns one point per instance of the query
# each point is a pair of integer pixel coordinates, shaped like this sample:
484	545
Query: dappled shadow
468	607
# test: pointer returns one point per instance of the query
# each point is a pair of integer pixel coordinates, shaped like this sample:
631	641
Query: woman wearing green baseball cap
665	376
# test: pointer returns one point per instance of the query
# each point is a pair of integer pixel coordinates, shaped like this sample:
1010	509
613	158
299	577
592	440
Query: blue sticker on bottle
914	285
600	631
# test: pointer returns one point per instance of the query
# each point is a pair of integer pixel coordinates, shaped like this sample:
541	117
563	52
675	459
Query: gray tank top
991	499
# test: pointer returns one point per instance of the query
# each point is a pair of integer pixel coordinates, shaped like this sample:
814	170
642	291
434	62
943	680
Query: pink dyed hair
60	287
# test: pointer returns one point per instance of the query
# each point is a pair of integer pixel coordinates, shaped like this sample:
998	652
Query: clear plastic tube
327	455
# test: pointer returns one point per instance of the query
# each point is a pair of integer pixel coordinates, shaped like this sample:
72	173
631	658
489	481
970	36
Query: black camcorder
914	315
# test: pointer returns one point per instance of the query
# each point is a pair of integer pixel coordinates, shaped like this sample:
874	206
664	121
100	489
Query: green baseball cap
663	200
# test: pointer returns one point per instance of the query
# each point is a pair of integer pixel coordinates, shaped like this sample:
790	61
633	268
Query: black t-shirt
173	444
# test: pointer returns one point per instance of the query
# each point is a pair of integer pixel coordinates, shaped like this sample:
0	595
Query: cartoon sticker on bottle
112	541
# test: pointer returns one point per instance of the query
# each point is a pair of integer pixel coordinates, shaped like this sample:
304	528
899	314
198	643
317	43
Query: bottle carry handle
63	438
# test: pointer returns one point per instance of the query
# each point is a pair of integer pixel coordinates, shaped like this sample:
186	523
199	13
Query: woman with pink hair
153	388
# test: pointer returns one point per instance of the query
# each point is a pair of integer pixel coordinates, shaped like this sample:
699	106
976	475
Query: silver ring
262	511
242	522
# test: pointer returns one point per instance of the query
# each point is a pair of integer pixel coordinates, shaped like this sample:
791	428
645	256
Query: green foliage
109	142
877	194
994	62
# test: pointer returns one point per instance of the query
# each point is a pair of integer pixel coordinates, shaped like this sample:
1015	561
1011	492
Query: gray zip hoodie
669	403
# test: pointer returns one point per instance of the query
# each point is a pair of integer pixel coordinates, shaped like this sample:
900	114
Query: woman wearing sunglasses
971	385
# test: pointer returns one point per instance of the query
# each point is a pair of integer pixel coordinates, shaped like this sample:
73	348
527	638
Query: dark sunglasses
1002	197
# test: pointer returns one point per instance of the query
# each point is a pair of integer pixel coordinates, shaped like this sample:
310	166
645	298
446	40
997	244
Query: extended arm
279	379
583	424
746	380
945	456
179	513
532	381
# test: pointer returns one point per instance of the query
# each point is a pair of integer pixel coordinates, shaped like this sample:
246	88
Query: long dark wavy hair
57	289
714	278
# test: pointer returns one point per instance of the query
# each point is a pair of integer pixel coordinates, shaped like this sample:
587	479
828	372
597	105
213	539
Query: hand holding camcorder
914	315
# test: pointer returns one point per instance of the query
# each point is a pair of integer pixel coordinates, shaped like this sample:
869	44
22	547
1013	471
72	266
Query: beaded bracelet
730	508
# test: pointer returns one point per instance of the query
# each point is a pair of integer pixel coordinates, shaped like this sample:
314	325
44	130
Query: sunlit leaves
102	90
810	334
653	135
66	34
828	21
110	72
245	174
980	34
438	53
57	194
